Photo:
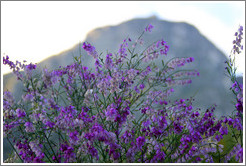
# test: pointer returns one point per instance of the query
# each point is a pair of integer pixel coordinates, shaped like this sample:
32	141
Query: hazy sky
33	31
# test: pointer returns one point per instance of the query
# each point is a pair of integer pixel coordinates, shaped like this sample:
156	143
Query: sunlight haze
33	31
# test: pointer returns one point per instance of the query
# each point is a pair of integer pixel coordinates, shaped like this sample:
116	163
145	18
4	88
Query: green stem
48	157
14	149
51	147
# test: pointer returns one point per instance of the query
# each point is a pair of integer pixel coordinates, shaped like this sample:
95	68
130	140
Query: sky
35	30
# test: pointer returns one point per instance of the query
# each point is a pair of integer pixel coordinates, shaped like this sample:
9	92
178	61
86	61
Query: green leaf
162	63
134	55
76	58
228	70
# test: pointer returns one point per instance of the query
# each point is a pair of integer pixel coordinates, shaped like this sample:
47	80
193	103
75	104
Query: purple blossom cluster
18	66
235	122
237	43
122	53
90	50
238	91
149	28
178	62
118	113
156	49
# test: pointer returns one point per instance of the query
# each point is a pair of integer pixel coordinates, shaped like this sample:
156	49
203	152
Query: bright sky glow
33	31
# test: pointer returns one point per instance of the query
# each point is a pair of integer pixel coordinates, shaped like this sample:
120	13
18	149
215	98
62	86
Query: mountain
211	87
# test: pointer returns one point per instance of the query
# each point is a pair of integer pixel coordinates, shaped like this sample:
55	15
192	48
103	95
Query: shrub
119	112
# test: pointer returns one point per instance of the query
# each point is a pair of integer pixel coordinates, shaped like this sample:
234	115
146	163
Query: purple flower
108	62
237	45
29	127
178	62
5	60
111	113
239	106
114	150
239	156
136	89
159	156
93	151
104	84
68	153
190	59
143	110
140	141
90	50
149	28
182	100
153	51
49	124
28	97
122	52
85	68
36	148
223	130
127	136
198	159
20	113
31	66
195	114
146	123
163	102
189	107
237	124
38	159
177	127
148	68
74	137
141	86
218	137
230	121
8	100
234	84
14	67
97	63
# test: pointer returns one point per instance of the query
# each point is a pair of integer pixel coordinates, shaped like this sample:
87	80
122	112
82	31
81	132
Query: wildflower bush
119	111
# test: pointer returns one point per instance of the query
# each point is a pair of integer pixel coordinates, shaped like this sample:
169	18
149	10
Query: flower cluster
156	49
121	112
236	120
149	28
90	50
18	66
237	45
